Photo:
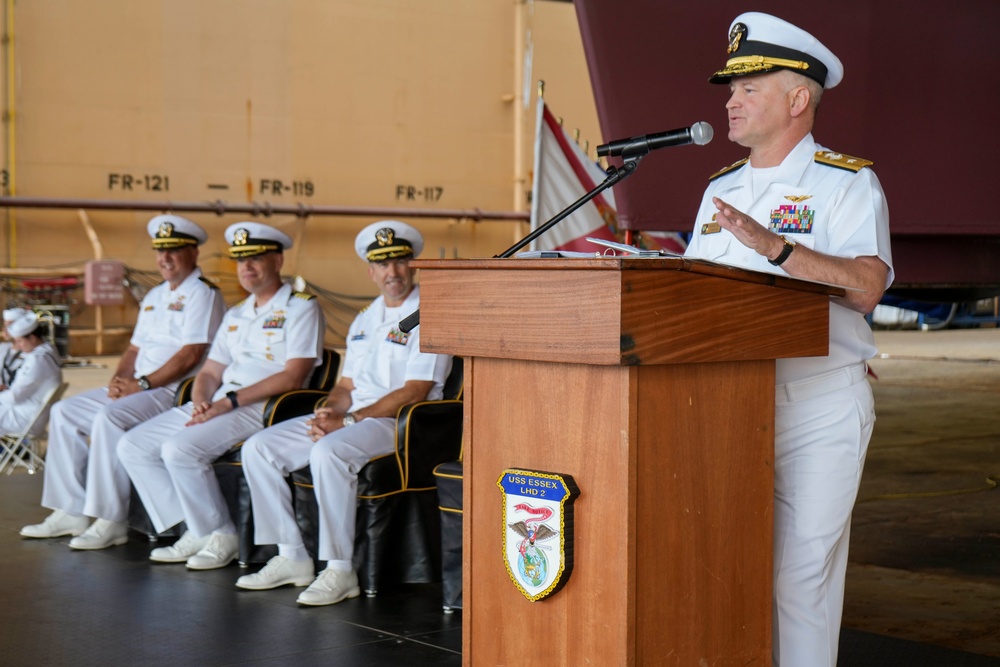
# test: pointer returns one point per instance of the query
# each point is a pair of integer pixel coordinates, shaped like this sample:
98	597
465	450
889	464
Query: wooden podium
651	383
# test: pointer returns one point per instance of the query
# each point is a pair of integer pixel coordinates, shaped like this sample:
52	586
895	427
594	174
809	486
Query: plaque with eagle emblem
537	530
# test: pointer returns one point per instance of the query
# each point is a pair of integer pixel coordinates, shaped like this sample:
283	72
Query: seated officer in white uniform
177	320
796	208
384	369
267	344
10	356
39	374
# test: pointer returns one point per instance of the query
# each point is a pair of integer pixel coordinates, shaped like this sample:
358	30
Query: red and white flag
563	174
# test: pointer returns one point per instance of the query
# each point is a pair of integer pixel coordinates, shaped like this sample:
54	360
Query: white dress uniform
90	481
39	374
379	359
171	464
824	412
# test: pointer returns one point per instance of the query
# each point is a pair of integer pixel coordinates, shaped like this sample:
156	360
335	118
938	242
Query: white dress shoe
330	587
218	552
279	571
57	524
101	535
180	550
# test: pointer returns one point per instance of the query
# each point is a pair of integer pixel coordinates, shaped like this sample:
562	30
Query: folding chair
21	449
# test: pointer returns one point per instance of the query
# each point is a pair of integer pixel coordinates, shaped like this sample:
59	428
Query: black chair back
183	393
455	383
325	375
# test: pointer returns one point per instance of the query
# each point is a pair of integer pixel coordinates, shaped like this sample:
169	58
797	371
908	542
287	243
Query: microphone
700	133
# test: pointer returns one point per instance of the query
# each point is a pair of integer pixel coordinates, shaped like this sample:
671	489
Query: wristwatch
350	419
143	382
786	250
231	395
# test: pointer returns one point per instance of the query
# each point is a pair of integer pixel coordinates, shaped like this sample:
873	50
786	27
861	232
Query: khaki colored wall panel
388	103
559	61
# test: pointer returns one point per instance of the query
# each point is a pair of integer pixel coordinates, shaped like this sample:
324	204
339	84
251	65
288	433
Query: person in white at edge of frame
799	209
176	322
40	373
267	344
10	356
384	369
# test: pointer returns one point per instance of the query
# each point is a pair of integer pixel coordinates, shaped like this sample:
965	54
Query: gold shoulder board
303	295
208	282
733	166
841	161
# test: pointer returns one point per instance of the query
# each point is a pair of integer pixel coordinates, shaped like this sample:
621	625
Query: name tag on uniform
711	227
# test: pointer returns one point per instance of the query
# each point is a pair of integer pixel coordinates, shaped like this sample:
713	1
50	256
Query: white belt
818	385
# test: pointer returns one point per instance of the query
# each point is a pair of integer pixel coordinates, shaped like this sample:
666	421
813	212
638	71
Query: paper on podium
631	249
555	254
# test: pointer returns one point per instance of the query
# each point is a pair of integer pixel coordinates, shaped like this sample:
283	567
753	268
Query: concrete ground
925	552
925	547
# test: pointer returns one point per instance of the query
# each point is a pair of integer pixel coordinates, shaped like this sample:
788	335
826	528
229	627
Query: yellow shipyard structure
315	116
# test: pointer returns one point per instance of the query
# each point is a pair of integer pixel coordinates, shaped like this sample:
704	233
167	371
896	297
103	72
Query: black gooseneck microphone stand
614	176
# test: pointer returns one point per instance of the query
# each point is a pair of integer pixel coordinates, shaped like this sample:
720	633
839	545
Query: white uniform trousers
334	460
821	439
171	465
90	480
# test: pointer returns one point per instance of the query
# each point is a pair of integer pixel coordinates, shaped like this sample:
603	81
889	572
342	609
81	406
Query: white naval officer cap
23	324
11	314
763	43
172	231
388	239
249	239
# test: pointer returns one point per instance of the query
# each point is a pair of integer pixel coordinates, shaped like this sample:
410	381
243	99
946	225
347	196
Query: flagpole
536	171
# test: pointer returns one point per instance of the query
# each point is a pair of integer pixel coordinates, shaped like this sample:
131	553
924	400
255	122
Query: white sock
339	565
228	529
293	552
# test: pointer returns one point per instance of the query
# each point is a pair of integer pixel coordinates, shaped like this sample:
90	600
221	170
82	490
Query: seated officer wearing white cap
177	320
267	344
796	208
10	356
40	373
384	369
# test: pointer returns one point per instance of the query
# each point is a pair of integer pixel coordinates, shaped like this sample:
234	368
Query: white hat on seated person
763	43
12	314
388	239
249	239
170	231
23	324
